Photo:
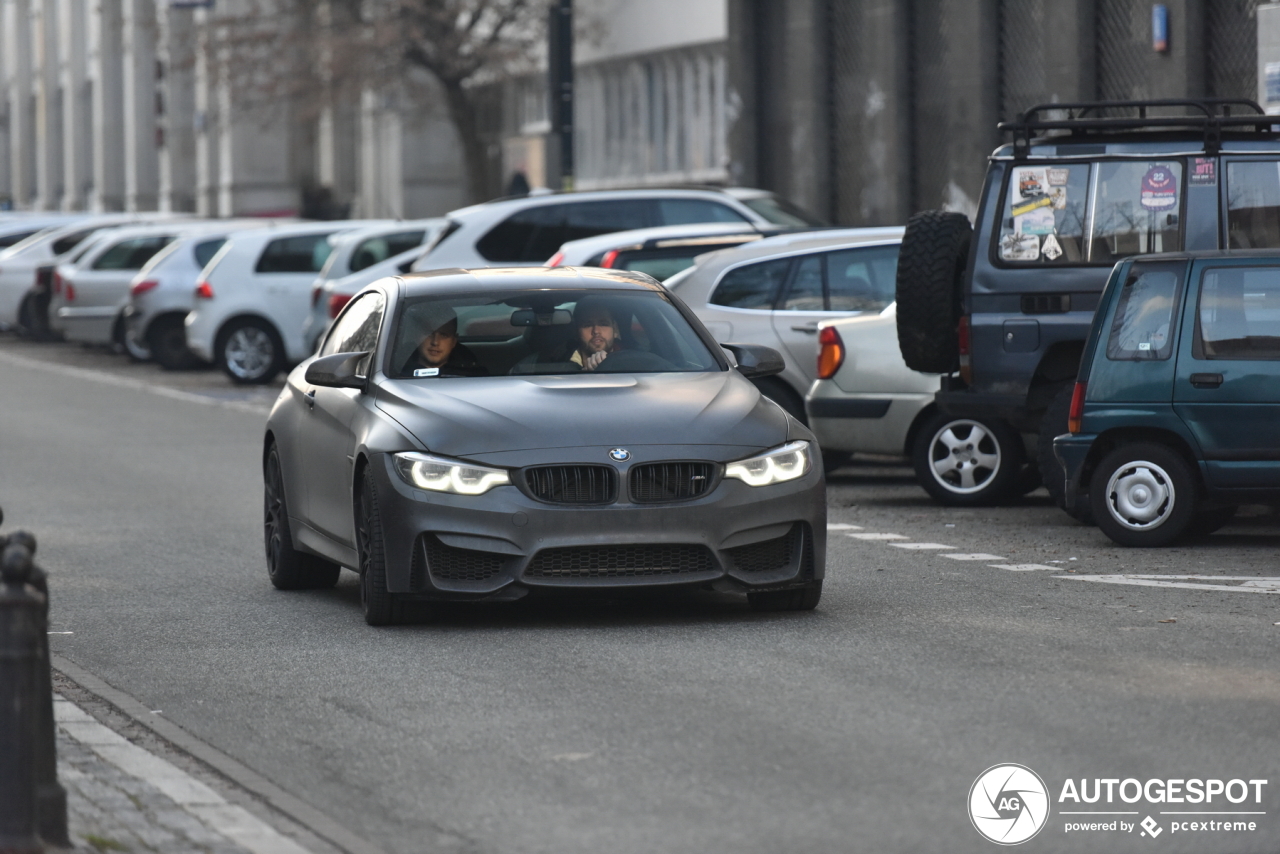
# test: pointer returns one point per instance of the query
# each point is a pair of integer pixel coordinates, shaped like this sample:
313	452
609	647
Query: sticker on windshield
1020	247
426	372
1159	189
1051	249
1039	221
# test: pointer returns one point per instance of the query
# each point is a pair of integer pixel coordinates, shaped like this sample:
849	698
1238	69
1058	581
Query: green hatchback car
1175	419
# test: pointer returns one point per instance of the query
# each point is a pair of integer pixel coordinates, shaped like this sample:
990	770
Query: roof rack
1210	115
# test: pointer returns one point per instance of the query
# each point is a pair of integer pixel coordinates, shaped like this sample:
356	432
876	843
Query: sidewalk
122	798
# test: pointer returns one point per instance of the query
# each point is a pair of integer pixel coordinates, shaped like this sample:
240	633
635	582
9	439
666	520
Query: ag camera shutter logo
1008	804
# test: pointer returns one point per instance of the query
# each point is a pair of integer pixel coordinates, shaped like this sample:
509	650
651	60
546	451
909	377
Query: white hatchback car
254	295
775	292
525	232
865	399
90	295
355	252
162	292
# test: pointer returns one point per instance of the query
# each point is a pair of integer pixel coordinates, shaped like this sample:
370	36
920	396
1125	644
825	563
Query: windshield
781	212
545	332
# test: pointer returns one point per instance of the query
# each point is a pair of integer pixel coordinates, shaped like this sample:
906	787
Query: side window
371	251
805	293
1135	209
1253	204
862	279
131	254
68	242
530	235
686	211
357	329
1239	316
587	219
1043	221
752	286
206	249
1143	327
303	253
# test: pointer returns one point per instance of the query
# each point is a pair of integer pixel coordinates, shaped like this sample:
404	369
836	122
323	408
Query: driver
438	352
597	334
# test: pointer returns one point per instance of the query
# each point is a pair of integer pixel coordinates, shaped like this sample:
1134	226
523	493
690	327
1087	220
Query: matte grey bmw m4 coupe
475	435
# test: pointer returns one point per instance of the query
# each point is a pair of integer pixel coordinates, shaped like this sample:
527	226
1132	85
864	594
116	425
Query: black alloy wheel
167	338
288	568
381	607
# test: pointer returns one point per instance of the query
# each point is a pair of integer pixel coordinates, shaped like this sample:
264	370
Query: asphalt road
678	723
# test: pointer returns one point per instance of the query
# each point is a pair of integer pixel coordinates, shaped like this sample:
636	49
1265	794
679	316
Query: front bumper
504	543
1071	450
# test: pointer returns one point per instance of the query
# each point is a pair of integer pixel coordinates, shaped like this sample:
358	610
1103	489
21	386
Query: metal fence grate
1123	43
1231	48
1023	80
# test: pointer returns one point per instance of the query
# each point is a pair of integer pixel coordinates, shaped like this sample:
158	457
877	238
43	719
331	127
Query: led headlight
440	474
781	464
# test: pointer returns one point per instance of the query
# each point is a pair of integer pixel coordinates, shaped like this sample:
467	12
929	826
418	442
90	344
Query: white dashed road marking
841	526
1243	584
1023	567
974	557
922	546
878	536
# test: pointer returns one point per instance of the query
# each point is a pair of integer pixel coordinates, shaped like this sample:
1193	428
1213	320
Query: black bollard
21	619
51	798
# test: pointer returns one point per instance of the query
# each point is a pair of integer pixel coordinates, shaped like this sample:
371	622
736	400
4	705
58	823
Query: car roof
518	202
388	227
797	244
300	228
456	281
1208	254
639	236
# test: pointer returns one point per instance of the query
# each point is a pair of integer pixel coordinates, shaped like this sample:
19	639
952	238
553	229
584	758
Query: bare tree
311	55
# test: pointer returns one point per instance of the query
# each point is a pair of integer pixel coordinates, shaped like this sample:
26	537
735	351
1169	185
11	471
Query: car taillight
57	284
204	290
962	337
336	302
609	258
1075	415
830	352
556	260
68	291
316	290
138	288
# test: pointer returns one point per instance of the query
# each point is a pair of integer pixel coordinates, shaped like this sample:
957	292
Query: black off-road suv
1002	309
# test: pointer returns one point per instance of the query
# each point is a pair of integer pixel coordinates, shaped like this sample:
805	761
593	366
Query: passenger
597	334
438	352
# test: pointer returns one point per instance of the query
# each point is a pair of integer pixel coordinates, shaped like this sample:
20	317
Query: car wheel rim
964	456
249	352
1140	495
274	512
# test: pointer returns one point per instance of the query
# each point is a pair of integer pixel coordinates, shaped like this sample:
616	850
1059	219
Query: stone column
77	108
177	102
48	91
108	104
22	137
205	120
141	162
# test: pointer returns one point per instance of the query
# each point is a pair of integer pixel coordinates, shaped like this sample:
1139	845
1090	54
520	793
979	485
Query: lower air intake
620	561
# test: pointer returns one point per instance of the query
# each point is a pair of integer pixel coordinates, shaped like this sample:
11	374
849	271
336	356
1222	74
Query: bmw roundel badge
620	455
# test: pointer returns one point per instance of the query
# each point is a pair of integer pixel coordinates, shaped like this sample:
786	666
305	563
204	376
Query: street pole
560	78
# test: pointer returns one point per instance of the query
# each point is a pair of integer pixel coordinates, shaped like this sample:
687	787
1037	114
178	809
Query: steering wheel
634	361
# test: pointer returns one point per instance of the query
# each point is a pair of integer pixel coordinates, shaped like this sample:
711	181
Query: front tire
1143	495
381	607
798	599
250	352
964	462
288	568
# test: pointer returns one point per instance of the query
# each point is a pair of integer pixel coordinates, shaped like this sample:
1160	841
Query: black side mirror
337	370
756	361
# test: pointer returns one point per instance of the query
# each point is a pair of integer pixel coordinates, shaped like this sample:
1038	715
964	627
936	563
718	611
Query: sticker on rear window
1020	247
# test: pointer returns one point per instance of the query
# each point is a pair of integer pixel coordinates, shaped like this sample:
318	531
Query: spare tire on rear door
931	262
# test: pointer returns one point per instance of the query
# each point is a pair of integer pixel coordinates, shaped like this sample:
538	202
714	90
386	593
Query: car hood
467	417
